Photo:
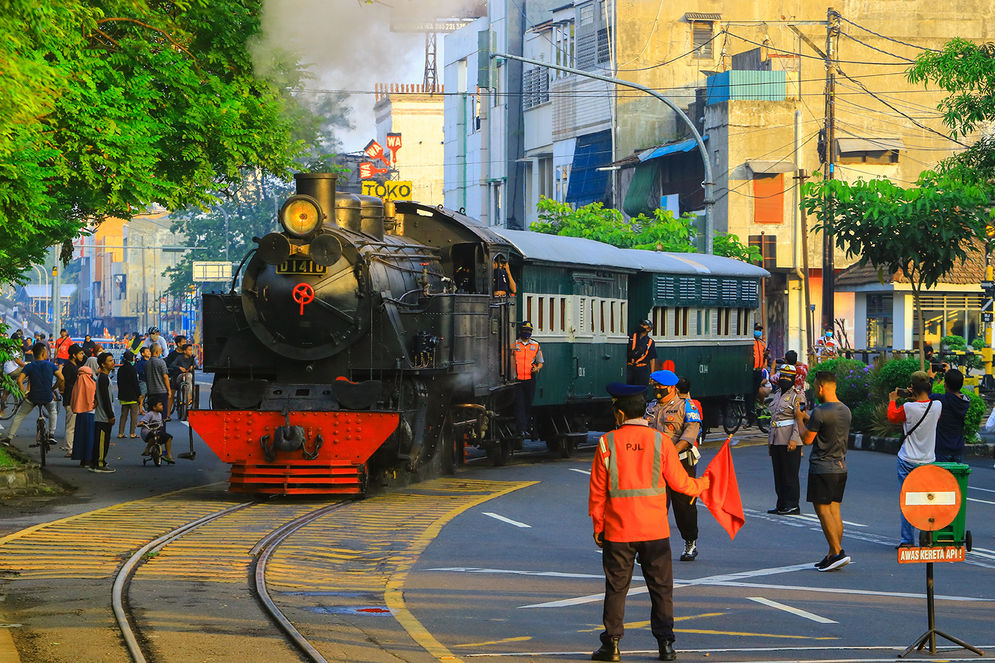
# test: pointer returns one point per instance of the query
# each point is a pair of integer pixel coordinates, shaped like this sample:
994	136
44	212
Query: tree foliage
109	106
922	231
660	232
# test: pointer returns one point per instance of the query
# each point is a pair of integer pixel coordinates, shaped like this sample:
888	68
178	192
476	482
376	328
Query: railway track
262	552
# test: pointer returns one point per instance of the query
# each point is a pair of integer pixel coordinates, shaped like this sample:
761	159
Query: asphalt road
519	578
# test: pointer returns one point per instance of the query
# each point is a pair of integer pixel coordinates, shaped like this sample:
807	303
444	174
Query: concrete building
743	71
416	114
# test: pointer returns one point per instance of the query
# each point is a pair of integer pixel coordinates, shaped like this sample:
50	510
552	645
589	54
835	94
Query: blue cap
620	389
666	378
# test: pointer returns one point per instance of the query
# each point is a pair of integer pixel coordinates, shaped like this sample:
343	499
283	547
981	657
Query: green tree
660	232
921	232
110	106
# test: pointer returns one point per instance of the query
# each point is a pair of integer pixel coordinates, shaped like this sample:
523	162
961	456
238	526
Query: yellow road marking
522	638
753	635
634	625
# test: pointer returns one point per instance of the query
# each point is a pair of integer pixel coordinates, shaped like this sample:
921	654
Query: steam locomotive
365	344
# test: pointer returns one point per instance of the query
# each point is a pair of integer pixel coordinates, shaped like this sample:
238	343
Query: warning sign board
930	497
389	190
206	271
913	555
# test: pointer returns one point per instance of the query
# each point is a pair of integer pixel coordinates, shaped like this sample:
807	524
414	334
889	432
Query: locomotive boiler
362	345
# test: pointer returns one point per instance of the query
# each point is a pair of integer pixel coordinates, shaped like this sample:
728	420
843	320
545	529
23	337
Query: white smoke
349	45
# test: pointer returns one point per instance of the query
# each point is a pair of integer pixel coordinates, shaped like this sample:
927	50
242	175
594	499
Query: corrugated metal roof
702	16
847	145
693	263
566	250
783	166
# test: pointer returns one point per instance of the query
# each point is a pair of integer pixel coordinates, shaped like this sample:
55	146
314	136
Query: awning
640	196
782	166
588	184
849	145
673	148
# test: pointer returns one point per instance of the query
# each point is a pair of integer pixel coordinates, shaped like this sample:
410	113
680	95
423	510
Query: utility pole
828	277
56	292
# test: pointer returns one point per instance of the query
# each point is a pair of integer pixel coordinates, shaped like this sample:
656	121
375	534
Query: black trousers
751	397
637	375
523	403
685	511
786	464
101	442
654	559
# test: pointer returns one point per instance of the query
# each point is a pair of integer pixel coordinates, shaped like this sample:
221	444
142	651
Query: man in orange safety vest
528	362
632	469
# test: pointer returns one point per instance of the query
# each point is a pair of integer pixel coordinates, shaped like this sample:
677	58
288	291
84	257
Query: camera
905	393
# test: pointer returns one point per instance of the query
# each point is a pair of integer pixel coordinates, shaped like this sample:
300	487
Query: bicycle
734	414
156	441
181	395
43	439
763	416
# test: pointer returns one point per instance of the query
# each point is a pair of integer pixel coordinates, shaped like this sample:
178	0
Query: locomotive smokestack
321	187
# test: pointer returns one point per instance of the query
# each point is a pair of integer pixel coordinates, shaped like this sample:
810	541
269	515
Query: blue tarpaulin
673	148
587	183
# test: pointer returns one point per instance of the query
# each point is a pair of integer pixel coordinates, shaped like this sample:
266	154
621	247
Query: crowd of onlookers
150	377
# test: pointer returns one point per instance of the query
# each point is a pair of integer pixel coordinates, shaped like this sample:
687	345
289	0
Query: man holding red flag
632	469
828	428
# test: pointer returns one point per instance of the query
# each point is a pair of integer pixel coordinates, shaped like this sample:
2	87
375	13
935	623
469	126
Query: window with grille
701	35
660	321
604	47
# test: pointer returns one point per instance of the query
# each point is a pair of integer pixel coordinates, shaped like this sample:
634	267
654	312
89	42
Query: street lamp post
707	184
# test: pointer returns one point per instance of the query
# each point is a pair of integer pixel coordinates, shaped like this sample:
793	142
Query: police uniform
528	355
633	467
679	421
641	353
783	430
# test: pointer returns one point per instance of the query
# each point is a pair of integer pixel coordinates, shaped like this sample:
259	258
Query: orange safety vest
759	348
525	355
632	468
641	359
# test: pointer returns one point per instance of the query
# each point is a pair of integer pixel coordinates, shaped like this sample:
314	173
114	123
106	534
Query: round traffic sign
930	497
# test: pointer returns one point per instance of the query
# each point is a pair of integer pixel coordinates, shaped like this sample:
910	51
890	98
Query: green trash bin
956	534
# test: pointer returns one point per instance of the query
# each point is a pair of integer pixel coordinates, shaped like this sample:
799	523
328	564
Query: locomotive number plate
297	266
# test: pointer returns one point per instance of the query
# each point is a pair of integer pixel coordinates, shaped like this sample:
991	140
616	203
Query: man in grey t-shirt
827	430
156	377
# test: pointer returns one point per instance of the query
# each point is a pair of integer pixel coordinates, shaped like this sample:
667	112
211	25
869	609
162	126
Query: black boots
667	652
609	649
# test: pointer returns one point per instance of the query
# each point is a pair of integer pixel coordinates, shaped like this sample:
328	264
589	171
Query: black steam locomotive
364	345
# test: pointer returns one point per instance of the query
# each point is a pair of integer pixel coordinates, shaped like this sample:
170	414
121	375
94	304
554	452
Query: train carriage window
660	321
592	316
541	311
681	321
611	326
622	317
581	312
699	329
563	314
528	308
552	314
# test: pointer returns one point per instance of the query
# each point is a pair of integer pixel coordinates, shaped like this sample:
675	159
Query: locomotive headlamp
300	216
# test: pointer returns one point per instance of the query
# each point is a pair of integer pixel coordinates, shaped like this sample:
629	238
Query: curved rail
128	569
262	551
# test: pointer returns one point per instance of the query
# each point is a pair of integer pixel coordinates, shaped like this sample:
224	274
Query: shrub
853	379
864	416
892	374
953	342
978	343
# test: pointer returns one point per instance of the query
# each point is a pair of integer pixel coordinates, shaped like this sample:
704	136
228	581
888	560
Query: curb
28	478
891	445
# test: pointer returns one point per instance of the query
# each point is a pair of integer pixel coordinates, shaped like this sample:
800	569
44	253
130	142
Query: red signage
367	170
393	144
930	497
913	555
373	150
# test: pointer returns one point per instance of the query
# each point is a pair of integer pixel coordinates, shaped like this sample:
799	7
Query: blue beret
620	389
666	378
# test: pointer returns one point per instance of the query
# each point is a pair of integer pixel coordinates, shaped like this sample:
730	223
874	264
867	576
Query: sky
349	45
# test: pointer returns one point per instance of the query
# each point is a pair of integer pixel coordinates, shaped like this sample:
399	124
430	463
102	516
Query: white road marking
987	490
810	517
856	592
708	580
574	469
794	611
926	498
975	499
550	574
506	520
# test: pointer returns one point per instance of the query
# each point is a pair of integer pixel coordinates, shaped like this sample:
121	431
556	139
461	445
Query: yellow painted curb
8	652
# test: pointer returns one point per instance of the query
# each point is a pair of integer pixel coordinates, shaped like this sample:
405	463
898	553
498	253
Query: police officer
632	469
528	362
784	442
641	355
680	422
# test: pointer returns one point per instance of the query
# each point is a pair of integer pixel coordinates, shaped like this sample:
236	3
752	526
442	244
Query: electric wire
875	48
878	34
814	57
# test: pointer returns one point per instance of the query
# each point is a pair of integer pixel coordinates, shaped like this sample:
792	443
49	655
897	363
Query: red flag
722	497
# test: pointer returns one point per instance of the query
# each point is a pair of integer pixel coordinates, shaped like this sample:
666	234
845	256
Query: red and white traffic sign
930	497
